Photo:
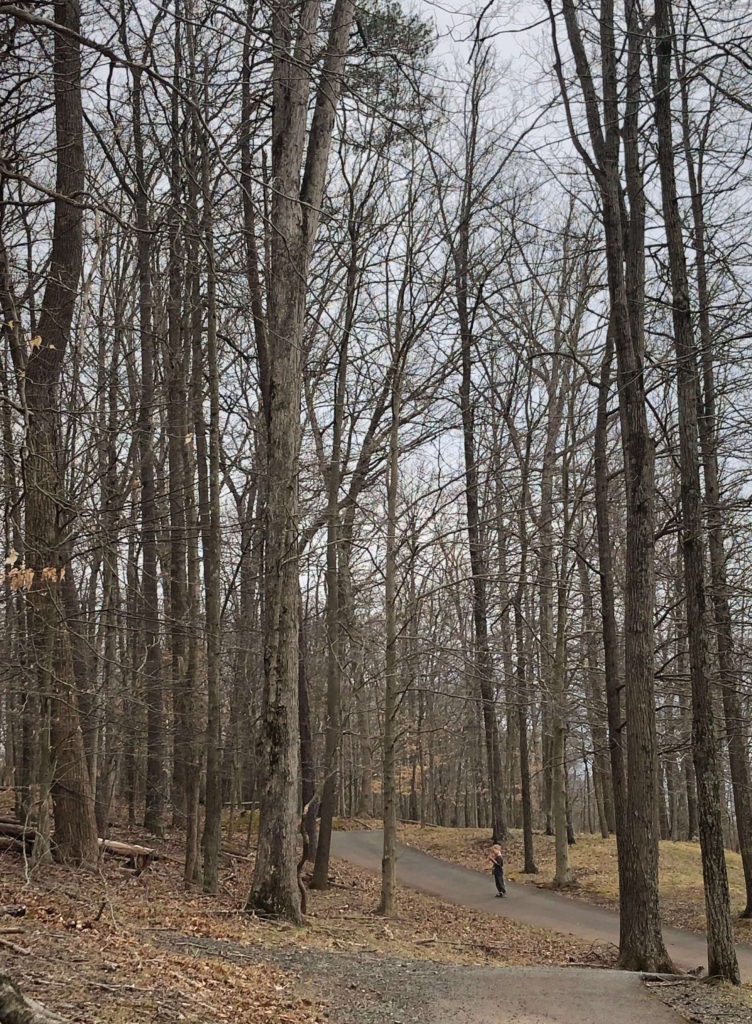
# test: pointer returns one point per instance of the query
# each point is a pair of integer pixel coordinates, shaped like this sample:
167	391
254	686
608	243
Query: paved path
547	995
524	903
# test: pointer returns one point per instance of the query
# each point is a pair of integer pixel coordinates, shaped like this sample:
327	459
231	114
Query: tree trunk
175	374
16	1008
722	960
559	801
47	513
601	773
641	942
729	670
530	866
307	762
296	204
153	696
209	511
335	646
389	808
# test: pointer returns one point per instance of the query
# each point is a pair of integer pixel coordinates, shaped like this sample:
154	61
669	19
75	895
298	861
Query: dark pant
498	874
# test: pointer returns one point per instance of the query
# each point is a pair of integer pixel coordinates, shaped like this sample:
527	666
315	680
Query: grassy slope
593	862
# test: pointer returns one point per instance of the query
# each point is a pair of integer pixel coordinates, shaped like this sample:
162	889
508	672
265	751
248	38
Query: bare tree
296	203
641	942
722	960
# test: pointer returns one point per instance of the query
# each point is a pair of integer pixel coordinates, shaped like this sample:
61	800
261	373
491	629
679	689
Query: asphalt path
547	995
526	903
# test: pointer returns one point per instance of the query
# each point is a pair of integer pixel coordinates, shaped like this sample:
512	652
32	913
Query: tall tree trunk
555	396
195	742
209	511
296	203
46	549
389	795
608	613
641	942
483	660
335	646
601	773
177	426
530	866
155	738
307	762
729	670
722	960
560	806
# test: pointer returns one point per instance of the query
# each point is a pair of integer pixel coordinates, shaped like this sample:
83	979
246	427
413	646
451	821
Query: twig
15	947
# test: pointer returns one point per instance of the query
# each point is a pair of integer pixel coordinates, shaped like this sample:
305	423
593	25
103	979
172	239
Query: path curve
525	903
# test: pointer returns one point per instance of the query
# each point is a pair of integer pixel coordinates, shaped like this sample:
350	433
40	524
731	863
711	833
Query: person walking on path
498	870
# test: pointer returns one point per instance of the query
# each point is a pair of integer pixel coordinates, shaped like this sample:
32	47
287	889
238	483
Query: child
498	870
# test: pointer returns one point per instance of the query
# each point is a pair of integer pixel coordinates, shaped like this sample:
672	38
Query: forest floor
107	946
594	870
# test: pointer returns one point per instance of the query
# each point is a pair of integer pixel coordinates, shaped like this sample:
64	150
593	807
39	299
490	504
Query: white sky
511	23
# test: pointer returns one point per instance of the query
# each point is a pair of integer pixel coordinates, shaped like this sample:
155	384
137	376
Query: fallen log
16	845
23	834
137	857
16	1008
14	836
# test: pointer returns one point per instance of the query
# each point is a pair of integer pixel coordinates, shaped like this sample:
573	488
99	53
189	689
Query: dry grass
594	867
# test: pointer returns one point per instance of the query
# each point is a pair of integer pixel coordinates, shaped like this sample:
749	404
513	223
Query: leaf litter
107	947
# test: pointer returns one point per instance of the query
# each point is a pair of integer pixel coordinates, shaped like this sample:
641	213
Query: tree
722	960
461	254
47	551
641	943
295	209
708	430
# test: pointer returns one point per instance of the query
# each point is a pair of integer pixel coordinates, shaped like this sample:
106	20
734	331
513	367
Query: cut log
14	836
16	1008
16	845
137	857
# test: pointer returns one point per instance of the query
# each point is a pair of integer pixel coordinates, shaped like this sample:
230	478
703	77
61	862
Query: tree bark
560	804
209	511
483	660
601	773
389	795
47	511
296	204
641	942
707	423
722	960
155	739
307	763
335	645
530	866
16	1008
